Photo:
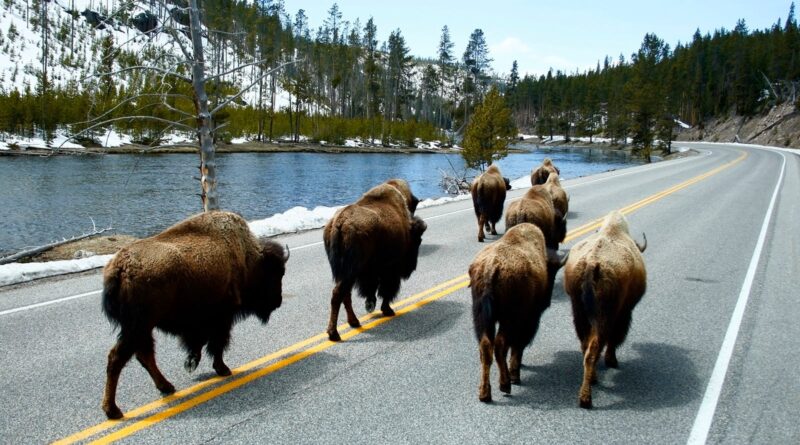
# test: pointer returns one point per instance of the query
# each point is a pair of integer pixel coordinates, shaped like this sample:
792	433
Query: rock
82	254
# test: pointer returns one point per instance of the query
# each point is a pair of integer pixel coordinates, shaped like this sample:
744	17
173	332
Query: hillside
779	127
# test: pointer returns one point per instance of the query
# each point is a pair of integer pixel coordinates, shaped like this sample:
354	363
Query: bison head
267	295
555	260
418	227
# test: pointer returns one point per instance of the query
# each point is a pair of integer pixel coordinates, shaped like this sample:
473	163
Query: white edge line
705	415
47	303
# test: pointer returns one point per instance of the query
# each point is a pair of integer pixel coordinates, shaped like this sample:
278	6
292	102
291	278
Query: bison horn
642	246
287	253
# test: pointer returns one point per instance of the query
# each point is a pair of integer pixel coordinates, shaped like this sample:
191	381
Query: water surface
47	198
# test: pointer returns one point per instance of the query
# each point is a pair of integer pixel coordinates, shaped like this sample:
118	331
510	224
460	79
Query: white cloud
510	45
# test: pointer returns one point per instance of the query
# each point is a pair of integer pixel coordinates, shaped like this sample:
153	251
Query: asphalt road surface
710	355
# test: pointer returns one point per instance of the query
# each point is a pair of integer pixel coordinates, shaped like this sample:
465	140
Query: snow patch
20	272
293	220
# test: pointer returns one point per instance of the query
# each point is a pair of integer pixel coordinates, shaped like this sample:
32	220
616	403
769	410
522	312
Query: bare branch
240	67
137	68
252	84
130	99
33	251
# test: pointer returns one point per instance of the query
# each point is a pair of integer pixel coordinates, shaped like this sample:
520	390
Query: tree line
742	72
343	82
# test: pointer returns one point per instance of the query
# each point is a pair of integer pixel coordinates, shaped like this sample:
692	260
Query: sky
563	35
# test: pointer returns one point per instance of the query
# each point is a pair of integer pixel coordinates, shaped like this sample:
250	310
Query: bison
560	197
605	278
540	174
512	282
488	196
372	244
536	207
193	280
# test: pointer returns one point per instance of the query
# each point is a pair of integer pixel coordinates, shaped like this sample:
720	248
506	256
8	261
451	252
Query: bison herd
197	278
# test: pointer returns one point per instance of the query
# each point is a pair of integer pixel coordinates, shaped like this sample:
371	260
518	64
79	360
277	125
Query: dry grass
100	245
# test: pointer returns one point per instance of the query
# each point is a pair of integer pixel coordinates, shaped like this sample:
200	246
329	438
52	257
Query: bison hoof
485	399
334	336
369	305
611	362
112	412
354	323
516	380
480	239
166	388
586	403
387	311
222	370
191	363
505	387
494	232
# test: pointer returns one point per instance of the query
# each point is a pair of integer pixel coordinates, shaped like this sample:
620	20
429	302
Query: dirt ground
100	245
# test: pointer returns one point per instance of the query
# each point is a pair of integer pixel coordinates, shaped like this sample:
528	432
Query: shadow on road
656	376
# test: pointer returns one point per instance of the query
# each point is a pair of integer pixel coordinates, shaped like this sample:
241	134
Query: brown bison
512	282
560	197
488	196
193	280
605	277
540	174
372	244
536	207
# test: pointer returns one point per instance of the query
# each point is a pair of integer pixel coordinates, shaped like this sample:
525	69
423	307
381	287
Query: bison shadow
657	376
427	249
437	318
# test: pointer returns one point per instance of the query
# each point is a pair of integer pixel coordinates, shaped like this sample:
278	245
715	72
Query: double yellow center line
299	351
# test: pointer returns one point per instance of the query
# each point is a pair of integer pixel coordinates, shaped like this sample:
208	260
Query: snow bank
20	272
293	220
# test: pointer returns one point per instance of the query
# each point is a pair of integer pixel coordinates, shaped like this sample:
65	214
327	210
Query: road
709	355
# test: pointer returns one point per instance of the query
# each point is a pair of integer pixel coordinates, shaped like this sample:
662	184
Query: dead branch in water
35	250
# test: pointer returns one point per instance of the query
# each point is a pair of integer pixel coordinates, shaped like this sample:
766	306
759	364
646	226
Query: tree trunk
208	164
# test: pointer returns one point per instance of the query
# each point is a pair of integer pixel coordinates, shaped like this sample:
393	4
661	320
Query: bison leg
388	290
589	372
217	344
481	222
617	335
118	356
500	354
147	357
514	364
352	319
340	291
485	389
494	229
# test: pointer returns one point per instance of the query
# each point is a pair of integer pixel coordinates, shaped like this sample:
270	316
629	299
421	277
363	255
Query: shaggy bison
560	197
605	278
372	244
540	174
536	207
193	280
512	282
488	195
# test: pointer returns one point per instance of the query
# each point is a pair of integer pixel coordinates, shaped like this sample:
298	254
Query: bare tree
180	42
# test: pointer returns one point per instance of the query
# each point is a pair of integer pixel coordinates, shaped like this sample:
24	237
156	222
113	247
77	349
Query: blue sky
565	35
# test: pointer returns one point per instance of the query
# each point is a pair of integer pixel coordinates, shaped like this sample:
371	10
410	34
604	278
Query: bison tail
341	257
111	300
588	295
483	316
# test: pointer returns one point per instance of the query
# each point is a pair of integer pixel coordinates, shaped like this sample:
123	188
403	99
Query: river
48	198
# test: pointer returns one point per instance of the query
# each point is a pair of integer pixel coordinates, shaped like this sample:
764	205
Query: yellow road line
230	386
233	382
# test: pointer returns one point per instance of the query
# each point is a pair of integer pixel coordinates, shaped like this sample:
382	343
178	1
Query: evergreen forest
338	81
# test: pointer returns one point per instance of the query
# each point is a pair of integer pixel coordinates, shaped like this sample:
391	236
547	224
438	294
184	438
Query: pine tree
489	132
